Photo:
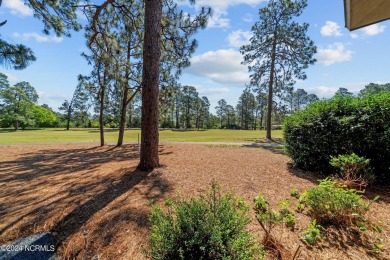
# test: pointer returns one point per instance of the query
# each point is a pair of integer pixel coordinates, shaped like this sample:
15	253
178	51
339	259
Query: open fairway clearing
96	202
89	135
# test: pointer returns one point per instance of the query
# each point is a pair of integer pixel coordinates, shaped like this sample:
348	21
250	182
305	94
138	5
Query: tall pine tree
279	50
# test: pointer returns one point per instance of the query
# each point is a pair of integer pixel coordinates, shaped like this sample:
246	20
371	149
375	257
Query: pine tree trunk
261	119
150	85
177	116
270	90
122	121
101	119
130	115
125	102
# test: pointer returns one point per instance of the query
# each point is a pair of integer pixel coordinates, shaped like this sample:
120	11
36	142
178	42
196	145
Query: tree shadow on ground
265	140
307	175
273	149
11	130
106	130
64	189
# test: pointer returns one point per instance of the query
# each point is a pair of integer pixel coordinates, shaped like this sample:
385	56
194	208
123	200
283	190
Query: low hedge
342	125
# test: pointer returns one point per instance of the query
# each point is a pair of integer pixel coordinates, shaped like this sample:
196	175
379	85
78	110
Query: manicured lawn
166	135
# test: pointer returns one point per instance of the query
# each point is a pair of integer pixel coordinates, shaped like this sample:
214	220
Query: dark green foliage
331	203
342	125
209	227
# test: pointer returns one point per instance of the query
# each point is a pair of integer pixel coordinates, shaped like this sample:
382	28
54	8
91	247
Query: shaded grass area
57	135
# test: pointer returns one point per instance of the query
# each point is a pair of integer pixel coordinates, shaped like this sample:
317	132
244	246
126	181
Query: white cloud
248	18
331	29
51	96
211	91
37	37
374	29
334	53
218	20
18	7
354	35
329	91
239	38
323	91
220	7
222	66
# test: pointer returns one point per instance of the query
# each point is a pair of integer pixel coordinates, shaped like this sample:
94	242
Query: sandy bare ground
96	202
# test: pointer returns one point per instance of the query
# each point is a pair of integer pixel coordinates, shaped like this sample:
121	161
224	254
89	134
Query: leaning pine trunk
150	85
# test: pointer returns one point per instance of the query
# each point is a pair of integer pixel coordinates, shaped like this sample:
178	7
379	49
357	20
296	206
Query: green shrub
294	192
342	125
330	203
312	233
286	213
355	170
209	227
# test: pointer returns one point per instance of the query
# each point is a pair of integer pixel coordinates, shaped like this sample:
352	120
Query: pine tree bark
122	121
68	118
130	115
101	116
101	96
177	117
150	86
125	100
270	90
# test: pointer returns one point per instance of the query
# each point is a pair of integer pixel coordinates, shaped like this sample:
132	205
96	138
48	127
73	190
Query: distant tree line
180	107
19	108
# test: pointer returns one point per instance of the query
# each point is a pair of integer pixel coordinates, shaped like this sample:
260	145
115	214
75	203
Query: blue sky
345	59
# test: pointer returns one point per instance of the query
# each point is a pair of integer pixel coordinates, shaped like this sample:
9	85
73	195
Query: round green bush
342	125
208	227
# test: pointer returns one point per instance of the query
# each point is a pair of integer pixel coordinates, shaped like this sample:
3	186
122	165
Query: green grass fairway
92	135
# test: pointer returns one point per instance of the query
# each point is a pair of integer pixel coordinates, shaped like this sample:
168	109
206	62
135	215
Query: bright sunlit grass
131	135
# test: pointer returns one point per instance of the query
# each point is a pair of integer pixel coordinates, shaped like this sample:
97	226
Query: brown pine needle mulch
96	202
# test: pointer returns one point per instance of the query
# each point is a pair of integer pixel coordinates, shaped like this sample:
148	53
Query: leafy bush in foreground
331	204
342	125
209	227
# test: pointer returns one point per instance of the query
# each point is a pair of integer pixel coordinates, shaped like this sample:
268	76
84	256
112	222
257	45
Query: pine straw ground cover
96	202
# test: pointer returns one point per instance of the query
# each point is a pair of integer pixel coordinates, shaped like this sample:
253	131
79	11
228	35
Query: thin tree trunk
68	118
270	89
188	117
101	99
101	116
150	86
125	101
122	121
261	118
130	115
177	118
